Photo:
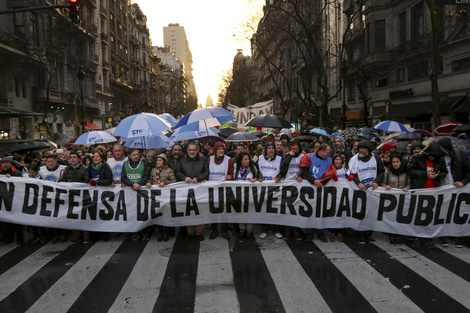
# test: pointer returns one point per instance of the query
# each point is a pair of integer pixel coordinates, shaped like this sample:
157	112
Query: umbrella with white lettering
94	137
141	125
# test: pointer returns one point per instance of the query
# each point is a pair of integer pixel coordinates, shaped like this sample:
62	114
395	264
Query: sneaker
340	238
308	238
278	235
443	242
430	245
298	237
86	242
370	239
200	237
332	237
75	241
263	236
458	243
145	237
322	238
225	235
416	243
393	240
214	234
362	240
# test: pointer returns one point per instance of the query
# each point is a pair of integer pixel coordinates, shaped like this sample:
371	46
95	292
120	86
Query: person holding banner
161	175
269	168
245	169
116	163
193	169
366	170
10	229
220	169
135	174
396	176
290	170
313	167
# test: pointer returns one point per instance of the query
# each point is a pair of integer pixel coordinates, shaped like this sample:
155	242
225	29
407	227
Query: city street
240	275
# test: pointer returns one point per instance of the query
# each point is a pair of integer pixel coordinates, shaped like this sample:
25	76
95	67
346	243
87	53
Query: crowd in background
367	163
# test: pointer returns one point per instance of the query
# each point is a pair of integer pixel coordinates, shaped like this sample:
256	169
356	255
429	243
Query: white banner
433	212
245	114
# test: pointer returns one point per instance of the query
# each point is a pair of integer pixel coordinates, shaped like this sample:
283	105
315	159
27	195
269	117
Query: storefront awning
7	112
90	126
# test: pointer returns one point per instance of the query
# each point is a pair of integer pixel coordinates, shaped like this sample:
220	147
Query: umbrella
225	132
31	146
335	134
392	140
212	116
156	141
268	120
462	129
423	132
409	136
142	124
319	131
95	137
241	137
259	133
192	131
369	130
457	143
402	146
446	128
366	136
304	138
61	139
169	118
391	126
110	130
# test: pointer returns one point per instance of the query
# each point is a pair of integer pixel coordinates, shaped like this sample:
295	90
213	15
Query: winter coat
79	174
396	181
192	168
417	167
167	176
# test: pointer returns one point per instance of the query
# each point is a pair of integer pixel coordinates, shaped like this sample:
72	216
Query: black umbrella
268	120
225	132
241	137
31	146
61	139
462	129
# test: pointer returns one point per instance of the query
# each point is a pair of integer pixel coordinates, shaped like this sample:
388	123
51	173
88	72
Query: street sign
452	2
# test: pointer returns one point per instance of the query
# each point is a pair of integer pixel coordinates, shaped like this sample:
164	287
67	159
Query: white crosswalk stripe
215	286
69	287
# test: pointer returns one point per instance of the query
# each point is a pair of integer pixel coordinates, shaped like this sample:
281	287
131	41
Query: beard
177	155
364	156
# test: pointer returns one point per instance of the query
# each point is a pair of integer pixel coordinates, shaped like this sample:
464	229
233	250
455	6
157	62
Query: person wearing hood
220	169
427	170
416	147
458	167
366	170
161	175
396	176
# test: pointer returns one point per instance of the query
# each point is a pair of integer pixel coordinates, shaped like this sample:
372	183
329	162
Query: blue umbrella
409	136
169	118
94	137
319	131
142	124
391	126
192	131
335	134
209	117
156	141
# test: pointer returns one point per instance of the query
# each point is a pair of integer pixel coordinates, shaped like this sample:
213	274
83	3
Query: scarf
399	171
244	171
96	167
158	171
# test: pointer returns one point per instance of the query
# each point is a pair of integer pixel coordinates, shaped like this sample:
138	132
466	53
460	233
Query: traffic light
74	5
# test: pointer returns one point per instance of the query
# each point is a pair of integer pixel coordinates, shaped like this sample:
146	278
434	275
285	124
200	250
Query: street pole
81	77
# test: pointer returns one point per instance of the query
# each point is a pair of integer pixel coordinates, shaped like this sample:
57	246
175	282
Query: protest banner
442	211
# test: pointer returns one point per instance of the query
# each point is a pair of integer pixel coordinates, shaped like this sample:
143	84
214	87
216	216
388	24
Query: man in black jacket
75	172
193	169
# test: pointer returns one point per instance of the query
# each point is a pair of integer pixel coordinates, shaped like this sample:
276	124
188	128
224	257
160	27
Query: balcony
378	57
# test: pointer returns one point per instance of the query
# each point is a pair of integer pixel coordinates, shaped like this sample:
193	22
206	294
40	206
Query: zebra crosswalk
248	275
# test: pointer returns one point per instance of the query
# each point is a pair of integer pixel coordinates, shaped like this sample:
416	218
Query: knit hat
217	145
163	156
387	146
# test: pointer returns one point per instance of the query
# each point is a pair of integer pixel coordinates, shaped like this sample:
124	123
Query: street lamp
81	77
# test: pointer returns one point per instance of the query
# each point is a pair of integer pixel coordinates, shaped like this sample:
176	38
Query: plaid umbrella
409	136
457	143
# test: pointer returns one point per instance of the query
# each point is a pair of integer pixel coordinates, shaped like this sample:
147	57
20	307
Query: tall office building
174	37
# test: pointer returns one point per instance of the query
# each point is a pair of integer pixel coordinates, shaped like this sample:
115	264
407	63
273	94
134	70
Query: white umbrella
95	137
142	124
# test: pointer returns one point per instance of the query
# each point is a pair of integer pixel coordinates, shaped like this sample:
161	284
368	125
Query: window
418	70
380	35
17	87
417	23
23	85
368	38
402	28
400	75
351	91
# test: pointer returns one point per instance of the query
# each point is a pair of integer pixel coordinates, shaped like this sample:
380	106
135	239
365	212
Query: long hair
239	164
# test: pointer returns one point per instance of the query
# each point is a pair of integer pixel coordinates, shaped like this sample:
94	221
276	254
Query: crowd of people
367	163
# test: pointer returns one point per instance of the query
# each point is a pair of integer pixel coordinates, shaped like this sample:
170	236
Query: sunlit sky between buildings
210	27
